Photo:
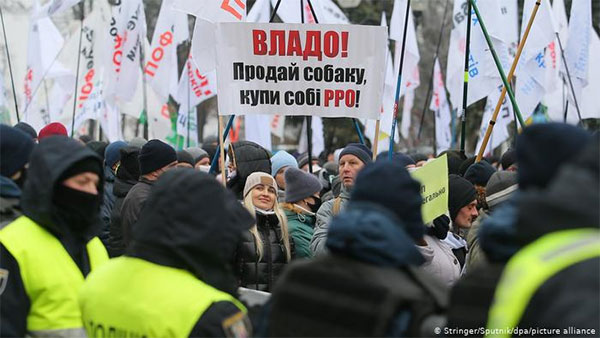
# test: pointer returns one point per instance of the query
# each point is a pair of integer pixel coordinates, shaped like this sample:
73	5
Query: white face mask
204	168
231	174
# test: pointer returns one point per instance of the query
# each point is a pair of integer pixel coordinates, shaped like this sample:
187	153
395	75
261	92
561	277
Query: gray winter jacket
324	216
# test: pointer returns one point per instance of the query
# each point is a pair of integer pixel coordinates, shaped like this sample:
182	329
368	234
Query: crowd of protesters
138	239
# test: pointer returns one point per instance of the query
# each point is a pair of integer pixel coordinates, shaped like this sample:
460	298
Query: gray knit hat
500	187
300	185
257	178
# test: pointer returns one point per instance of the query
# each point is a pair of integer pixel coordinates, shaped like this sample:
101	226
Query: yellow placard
433	177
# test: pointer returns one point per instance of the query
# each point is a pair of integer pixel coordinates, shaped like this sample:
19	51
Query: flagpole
498	65
189	109
463	118
12	81
511	72
221	150
437	50
376	142
361	138
562	53
144	88
308	118
399	82
81	6
213	163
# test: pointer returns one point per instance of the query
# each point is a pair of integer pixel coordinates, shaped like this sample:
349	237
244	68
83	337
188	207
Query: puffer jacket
261	274
108	202
324	216
301	226
249	157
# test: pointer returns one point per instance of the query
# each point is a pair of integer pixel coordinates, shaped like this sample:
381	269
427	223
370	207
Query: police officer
552	281
176	278
47	252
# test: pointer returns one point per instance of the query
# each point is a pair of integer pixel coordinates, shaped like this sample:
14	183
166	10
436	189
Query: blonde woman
263	251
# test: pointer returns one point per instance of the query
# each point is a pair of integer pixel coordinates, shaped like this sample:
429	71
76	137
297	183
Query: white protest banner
294	69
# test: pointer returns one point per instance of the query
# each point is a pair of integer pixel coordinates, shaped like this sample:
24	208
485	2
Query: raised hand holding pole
511	72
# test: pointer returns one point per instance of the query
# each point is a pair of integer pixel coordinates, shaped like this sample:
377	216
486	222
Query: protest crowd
134	239
228	236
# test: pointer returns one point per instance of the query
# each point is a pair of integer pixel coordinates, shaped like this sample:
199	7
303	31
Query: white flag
260	12
410	69
257	129
387	105
56	7
326	11
193	89
589	96
278	126
213	10
318	143
44	44
556	88
207	14
532	68
439	104
500	131
161	63
134	37
578	46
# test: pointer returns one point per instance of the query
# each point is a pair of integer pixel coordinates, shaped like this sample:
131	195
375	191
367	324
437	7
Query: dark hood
571	201
249	158
372	234
129	168
49	160
191	222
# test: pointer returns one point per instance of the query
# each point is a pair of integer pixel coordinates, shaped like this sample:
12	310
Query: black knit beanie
460	193
154	155
479	173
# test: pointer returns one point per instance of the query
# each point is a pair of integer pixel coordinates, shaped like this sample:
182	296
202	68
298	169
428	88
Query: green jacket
301	228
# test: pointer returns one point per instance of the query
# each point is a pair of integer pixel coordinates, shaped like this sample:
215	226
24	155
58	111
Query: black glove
440	228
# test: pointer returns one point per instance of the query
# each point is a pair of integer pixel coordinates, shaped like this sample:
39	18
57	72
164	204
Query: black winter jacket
132	207
116	245
249	157
261	274
127	176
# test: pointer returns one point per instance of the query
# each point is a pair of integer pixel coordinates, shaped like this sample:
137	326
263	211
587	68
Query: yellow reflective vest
132	297
529	268
50	276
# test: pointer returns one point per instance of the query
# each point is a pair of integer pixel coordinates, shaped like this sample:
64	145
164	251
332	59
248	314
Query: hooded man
47	252
155	158
352	160
128	175
367	283
244	158
15	148
112	160
176	278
